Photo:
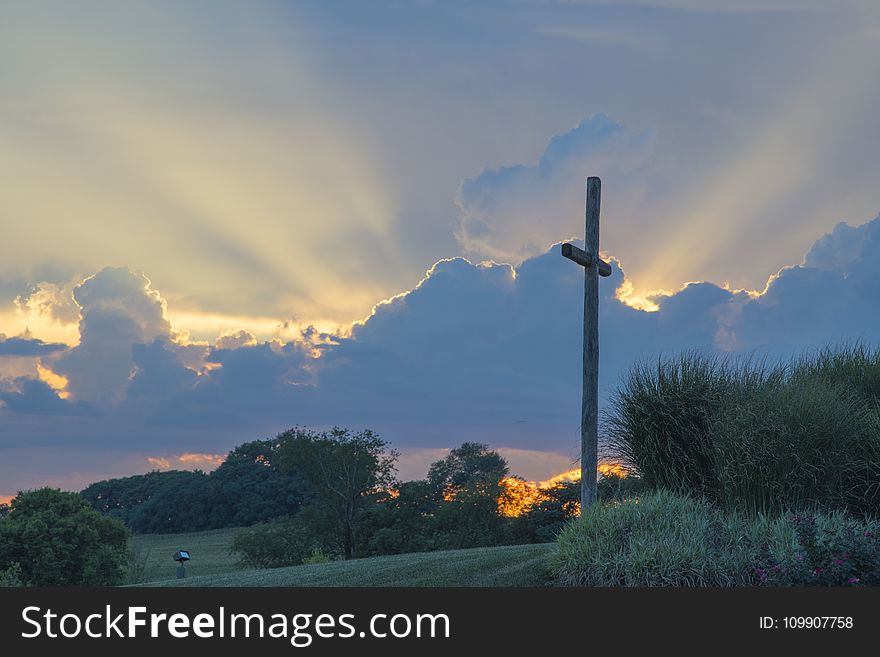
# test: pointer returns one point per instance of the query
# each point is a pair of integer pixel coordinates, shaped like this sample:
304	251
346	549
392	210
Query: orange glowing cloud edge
187	460
57	382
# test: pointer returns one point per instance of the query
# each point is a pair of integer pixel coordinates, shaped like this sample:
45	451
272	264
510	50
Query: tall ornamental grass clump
854	366
750	436
807	444
660	421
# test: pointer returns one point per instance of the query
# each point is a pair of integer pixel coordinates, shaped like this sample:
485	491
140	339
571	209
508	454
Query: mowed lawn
517	565
210	553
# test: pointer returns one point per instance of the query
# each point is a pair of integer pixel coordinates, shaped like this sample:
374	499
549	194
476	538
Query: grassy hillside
518	565
210	551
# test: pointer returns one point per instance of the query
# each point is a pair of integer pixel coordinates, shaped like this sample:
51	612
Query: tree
467	485
172	501
263	452
181	503
470	464
545	520
247	488
246	492
4	510
58	540
343	467
401	520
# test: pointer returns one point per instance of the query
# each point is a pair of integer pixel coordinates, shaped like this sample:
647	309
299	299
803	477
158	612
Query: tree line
308	494
303	496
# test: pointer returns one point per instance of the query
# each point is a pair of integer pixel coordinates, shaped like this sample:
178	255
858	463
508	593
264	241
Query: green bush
665	539
316	557
660	539
56	539
285	542
828	550
753	437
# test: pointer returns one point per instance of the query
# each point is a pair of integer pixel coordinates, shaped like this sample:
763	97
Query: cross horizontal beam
584	259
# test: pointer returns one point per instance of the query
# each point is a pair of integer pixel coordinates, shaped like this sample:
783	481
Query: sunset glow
519	496
219	223
187	461
57	382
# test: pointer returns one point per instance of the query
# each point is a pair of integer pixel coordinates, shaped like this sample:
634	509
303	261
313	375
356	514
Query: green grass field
213	565
210	550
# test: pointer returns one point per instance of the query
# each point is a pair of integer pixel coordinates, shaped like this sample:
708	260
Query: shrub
832	550
284	542
753	437
317	556
660	539
808	444
855	366
664	539
58	540
659	420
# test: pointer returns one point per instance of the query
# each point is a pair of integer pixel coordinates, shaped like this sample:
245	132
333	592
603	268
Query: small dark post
593	268
181	557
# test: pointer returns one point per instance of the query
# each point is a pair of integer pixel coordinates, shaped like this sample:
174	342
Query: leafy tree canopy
472	463
53	538
344	469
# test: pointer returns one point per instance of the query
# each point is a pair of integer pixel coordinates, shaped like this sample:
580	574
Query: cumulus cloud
34	397
49	300
118	310
23	346
235	338
513	212
475	351
187	461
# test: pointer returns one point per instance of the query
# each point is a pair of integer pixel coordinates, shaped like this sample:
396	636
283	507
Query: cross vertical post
593	268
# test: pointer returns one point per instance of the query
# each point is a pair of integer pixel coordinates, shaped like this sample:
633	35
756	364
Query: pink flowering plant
827	551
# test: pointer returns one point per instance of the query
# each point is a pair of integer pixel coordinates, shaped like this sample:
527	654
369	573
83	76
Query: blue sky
218	216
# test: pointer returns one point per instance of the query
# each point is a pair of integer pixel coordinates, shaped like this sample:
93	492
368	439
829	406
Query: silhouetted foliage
543	522
471	518
464	466
403	521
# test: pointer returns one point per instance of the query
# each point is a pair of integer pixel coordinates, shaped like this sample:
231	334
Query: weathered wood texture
581	257
590	399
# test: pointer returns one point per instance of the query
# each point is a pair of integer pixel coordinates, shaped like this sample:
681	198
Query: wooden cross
594	267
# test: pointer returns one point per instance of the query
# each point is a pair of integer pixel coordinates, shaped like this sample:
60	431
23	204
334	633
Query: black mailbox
182	556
